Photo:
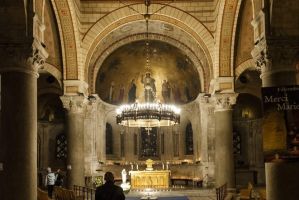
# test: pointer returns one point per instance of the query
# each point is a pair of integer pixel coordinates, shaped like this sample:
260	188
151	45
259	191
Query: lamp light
148	115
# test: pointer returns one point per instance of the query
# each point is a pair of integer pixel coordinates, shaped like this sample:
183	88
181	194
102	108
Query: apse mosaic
174	78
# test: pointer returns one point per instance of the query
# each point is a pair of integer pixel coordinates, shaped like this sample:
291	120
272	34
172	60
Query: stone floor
192	194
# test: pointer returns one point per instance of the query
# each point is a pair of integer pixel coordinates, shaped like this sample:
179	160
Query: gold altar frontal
150	179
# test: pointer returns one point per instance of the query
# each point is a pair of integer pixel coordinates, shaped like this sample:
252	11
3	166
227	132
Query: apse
169	65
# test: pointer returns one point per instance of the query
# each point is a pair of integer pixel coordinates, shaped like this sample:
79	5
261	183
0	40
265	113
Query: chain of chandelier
149	114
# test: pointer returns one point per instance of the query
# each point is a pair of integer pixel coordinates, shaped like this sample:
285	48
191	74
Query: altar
150	179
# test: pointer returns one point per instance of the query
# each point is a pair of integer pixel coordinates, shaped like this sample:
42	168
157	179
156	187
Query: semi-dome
176	78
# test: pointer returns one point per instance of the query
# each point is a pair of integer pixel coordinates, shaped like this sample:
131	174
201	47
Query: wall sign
281	121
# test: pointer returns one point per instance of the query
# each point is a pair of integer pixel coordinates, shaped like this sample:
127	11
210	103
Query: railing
84	193
221	192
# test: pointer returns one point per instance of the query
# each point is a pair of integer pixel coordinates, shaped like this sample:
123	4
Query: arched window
61	147
109	139
189	140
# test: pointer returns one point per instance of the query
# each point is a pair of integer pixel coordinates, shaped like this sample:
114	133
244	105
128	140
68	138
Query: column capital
203	99
74	103
205	102
92	105
224	102
274	55
25	57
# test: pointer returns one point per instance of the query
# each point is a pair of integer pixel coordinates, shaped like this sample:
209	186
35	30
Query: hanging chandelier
152	113
147	115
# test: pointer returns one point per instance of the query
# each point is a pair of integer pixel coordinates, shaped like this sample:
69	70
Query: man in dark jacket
109	191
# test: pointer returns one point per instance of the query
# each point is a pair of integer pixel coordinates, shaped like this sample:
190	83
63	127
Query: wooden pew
64	194
246	193
42	195
221	192
262	193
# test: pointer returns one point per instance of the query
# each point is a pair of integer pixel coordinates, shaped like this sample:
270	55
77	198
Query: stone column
90	131
193	111
207	120
275	57
224	158
282	180
44	137
167	144
101	133
205	107
18	68
276	62
75	108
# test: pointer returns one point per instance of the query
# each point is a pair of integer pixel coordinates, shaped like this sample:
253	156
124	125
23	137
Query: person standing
49	182
109	191
58	178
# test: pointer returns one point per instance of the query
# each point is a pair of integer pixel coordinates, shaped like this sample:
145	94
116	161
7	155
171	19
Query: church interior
175	97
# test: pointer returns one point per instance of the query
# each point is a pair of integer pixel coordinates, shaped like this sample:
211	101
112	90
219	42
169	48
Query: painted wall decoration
122	76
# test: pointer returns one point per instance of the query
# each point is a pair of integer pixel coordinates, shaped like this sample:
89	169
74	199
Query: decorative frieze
25	57
275	55
224	101
92	106
271	53
74	104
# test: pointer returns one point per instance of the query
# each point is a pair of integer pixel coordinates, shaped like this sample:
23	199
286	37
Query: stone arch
204	73
54	72
247	79
234	37
243	36
248	64
125	15
69	37
228	11
181	38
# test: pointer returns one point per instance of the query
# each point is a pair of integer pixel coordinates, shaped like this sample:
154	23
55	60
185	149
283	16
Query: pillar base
282	180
